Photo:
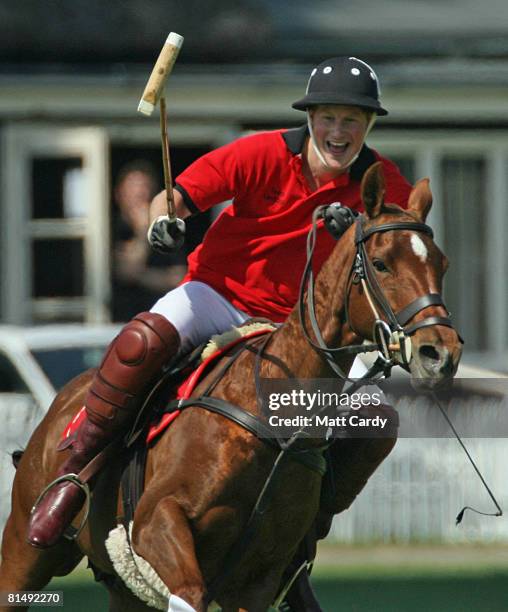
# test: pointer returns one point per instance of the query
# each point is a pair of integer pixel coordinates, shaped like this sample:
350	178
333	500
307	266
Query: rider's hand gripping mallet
153	94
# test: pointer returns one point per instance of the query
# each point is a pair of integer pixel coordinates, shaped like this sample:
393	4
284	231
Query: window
57	220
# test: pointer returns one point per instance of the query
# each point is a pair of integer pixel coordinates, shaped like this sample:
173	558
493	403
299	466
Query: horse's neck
289	345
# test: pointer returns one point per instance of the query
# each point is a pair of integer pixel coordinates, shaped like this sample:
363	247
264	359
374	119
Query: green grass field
373	579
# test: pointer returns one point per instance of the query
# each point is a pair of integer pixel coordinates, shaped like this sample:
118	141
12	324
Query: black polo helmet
342	80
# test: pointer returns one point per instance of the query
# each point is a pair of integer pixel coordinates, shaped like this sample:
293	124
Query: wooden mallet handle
161	70
166	162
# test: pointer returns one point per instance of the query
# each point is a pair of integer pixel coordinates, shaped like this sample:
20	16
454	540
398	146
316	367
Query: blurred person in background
140	275
249	264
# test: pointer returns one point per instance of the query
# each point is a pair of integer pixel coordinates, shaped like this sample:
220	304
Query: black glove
165	235
338	219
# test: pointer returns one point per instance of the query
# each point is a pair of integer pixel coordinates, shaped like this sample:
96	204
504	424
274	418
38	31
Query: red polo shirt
254	253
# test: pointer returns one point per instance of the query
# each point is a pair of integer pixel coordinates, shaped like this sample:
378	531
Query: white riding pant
198	312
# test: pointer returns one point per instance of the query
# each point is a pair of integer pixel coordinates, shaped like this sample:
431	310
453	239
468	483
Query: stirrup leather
71	532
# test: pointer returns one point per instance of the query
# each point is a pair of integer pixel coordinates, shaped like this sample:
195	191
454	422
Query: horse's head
402	281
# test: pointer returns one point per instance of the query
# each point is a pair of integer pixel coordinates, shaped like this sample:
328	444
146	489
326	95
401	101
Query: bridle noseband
391	334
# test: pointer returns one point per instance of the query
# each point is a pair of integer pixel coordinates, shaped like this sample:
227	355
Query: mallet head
161	70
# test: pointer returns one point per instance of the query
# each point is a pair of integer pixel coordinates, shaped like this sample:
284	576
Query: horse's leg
166	542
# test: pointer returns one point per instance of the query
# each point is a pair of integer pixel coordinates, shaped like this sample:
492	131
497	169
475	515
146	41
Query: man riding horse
249	263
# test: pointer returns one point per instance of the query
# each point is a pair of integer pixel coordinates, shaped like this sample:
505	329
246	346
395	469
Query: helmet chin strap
317	150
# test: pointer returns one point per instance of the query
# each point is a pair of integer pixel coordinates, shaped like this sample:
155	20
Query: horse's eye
379	265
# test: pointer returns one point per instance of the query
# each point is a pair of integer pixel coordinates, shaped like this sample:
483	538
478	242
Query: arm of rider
165	235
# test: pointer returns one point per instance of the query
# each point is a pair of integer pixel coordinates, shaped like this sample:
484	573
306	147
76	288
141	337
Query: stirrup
71	532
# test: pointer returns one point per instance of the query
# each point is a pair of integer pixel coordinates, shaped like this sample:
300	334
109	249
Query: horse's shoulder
70	398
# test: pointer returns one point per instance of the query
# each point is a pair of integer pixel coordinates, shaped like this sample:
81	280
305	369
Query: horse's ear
420	199
373	190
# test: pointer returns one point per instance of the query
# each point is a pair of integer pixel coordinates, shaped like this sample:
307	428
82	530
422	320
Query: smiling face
339	132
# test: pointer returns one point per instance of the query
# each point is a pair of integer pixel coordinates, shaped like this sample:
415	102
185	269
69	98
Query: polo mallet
154	93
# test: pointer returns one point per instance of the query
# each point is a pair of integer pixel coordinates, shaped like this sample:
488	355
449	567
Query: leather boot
131	363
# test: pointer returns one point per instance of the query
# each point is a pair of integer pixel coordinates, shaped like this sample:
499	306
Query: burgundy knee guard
132	361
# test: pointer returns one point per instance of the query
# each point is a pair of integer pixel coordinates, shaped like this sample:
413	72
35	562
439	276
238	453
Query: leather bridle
391	331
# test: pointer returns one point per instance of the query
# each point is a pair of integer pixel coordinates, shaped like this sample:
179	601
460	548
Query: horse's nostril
427	351
436	361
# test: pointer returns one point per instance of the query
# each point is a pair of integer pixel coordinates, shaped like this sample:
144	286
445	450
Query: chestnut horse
205	473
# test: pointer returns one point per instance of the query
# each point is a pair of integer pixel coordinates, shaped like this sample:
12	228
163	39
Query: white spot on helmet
355	71
327	70
373	75
313	72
